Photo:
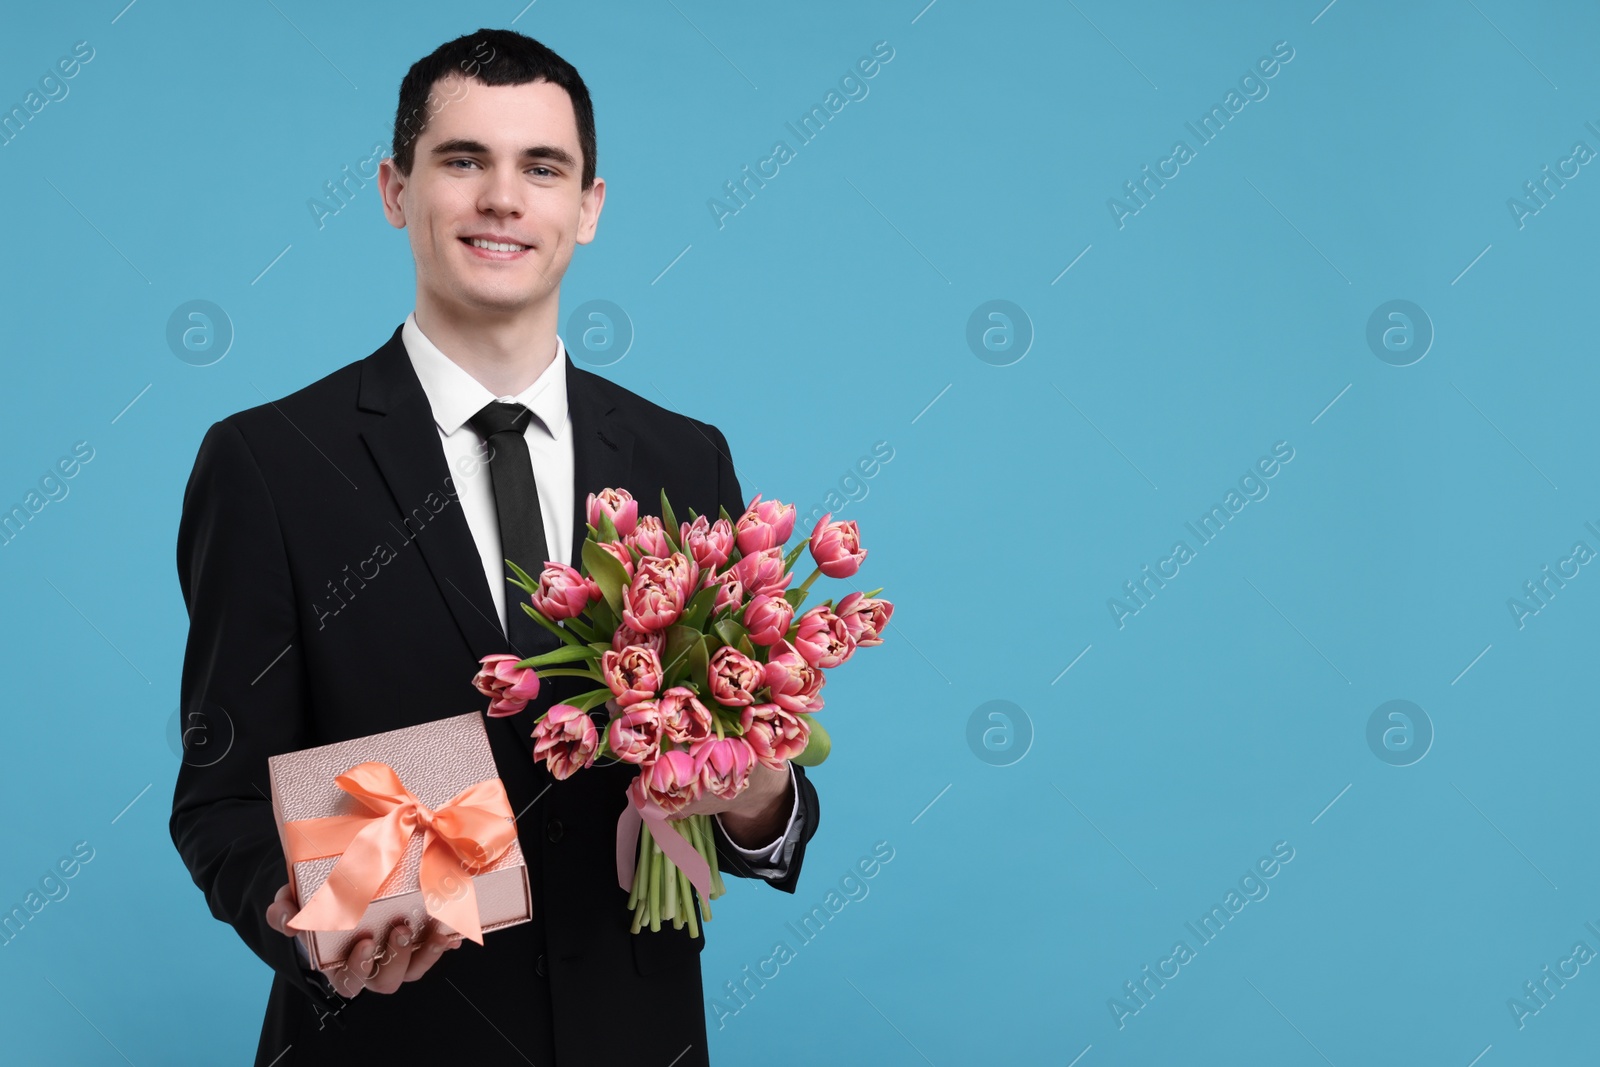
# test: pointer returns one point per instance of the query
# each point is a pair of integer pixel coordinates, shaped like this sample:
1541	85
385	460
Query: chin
498	300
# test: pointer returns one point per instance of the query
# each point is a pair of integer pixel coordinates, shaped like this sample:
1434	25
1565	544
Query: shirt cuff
772	855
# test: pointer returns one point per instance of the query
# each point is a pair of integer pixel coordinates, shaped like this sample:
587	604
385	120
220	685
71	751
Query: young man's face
497	162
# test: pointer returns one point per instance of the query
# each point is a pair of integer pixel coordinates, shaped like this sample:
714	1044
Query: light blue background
829	314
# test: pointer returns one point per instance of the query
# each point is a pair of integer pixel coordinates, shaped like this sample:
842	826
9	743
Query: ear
589	206
391	184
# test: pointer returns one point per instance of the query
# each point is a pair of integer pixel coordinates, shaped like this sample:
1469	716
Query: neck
505	352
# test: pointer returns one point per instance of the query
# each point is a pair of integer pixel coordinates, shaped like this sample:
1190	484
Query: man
340	554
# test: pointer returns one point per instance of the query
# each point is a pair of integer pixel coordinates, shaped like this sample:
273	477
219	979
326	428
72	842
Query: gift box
407	824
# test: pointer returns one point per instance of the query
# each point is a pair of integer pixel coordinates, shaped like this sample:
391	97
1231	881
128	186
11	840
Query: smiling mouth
495	246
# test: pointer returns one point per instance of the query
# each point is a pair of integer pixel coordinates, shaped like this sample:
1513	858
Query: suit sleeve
242	697
784	876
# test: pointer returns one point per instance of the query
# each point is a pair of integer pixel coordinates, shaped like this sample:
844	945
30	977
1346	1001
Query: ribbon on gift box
654	818
473	828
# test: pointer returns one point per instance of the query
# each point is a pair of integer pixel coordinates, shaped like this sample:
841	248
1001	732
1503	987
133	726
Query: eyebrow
553	153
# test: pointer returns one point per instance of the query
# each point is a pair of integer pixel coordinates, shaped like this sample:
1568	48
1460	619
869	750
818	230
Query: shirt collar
456	395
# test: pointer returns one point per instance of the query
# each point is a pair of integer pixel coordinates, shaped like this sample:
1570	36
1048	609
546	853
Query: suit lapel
602	449
404	443
405	446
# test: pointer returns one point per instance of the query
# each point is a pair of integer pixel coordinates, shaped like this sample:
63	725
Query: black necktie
516	498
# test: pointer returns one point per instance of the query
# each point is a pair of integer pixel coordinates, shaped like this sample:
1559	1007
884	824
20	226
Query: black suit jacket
334	590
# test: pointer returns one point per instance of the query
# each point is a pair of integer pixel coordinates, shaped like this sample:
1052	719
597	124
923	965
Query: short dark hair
492	57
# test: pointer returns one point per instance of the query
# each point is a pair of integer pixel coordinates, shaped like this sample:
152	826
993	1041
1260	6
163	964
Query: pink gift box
435	761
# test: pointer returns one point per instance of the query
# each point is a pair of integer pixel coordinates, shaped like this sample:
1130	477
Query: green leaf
747	646
731	631
795	597
592	699
670	521
587	632
559	631
565	654
525	582
817	747
602	617
699	660
875	592
794	554
675	660
608	529
694	615
731	717
606	570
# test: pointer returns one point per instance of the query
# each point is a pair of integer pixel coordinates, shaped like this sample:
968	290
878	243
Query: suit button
553	830
539	965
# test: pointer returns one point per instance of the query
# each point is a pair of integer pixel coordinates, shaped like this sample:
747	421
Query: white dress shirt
455	396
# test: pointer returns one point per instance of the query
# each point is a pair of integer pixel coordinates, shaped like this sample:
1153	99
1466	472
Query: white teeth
497	246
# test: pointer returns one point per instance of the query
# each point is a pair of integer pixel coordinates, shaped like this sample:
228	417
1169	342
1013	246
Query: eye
548	173
453	162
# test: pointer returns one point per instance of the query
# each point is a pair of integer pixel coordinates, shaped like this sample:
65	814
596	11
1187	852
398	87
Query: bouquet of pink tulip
693	634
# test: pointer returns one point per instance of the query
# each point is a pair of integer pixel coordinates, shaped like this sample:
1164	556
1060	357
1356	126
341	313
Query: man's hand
765	800
753	818
403	958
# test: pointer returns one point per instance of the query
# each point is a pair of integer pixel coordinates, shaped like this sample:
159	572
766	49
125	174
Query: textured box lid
435	760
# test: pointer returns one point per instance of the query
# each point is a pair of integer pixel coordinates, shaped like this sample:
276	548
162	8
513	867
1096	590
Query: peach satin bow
468	832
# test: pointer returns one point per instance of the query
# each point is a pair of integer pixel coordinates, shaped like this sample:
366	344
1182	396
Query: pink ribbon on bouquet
654	817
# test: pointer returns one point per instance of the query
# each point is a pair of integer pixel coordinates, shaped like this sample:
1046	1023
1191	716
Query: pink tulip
563	592
836	546
866	618
649	537
823	639
733	677
730	592
635	735
764	525
625	635
619	552
634	674
617	503
672	781
794	683
683	717
762	571
566	739
654	599
509	687
709	543
776	735
768	618
680	568
725	764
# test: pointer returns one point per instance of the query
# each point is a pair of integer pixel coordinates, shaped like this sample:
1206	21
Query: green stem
718	887
641	882
655	887
638	872
586	701
566	635
571	673
670	891
686	894
805	585
700	836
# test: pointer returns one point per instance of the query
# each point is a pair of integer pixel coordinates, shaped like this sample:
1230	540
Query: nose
501	192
